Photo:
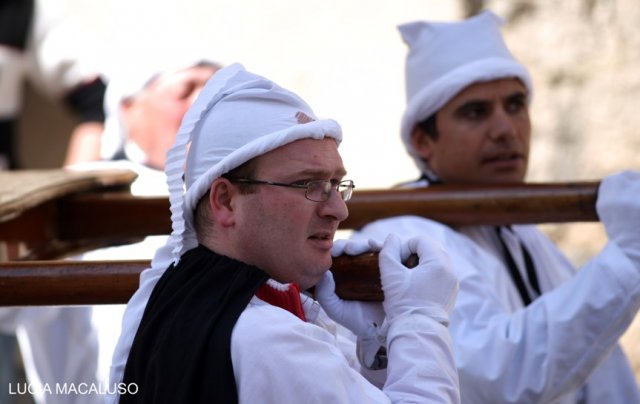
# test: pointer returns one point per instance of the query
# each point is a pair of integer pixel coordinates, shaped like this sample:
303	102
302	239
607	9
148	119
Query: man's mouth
322	240
322	236
503	158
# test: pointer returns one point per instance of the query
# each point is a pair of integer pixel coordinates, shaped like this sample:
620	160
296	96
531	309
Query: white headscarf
236	117
446	57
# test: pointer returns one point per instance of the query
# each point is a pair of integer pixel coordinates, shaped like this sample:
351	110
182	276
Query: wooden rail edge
45	283
92	215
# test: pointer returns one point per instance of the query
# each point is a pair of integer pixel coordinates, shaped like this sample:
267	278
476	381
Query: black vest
182	350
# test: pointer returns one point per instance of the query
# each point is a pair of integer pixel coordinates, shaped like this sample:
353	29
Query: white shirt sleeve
279	359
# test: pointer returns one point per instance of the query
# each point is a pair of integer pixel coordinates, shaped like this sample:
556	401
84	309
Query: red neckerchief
288	299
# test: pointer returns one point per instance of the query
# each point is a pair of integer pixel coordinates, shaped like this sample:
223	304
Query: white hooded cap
446	57
237	116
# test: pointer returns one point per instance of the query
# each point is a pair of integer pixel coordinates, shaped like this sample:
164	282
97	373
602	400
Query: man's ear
421	142
221	195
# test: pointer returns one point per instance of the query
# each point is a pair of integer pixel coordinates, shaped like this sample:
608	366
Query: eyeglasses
316	191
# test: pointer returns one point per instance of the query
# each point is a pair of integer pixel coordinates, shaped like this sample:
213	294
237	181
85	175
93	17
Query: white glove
353	247
618	207
430	287
362	318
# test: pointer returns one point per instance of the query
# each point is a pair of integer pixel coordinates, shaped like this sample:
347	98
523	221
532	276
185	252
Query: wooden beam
37	283
114	215
462	205
109	218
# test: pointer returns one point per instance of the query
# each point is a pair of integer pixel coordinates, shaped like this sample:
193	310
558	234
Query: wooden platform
31	202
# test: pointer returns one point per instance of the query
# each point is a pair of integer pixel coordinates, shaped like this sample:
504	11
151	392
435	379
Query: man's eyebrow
312	172
472	103
480	101
518	95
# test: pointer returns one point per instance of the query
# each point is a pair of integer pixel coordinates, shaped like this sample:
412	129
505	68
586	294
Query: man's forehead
314	154
308	145
499	88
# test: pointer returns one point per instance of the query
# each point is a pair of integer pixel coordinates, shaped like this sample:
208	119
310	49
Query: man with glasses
219	316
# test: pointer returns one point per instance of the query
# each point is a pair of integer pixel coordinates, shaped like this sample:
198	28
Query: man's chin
501	177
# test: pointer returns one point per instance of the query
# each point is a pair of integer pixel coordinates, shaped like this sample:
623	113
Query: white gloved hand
430	287
618	207
362	318
353	247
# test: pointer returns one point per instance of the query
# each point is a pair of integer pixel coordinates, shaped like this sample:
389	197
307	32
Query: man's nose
334	207
502	125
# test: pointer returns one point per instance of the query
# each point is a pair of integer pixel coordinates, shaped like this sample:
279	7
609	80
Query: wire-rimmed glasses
316	190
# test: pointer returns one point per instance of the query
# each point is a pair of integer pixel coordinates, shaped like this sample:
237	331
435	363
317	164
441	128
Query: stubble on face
287	235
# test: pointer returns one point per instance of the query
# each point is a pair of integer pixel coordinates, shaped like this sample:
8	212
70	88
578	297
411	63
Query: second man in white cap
527	327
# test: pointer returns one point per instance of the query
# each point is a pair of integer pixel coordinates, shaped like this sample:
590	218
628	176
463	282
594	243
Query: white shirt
544	353
277	358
